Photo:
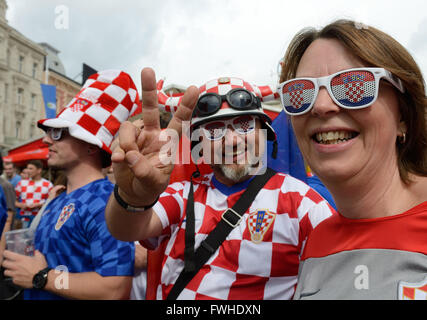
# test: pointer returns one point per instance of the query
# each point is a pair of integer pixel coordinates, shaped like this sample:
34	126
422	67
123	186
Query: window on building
20	96
6	92
21	64
35	65
33	101
18	129
32	130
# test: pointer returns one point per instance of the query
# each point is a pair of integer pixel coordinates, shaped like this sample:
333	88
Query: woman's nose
324	105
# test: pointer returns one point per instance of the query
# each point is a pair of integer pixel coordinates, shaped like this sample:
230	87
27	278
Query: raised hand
138	169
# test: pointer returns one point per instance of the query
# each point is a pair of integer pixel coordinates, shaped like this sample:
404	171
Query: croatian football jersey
31	192
73	234
259	259
382	258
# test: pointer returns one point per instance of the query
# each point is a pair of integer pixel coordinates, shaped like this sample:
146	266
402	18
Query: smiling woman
361	128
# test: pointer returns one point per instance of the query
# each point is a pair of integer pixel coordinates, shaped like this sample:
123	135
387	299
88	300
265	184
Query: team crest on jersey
258	224
66	213
413	291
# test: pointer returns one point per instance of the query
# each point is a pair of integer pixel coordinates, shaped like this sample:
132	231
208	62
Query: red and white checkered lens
354	89
350	89
298	95
216	130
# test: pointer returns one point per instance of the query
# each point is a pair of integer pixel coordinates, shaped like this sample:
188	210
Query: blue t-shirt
73	233
14	181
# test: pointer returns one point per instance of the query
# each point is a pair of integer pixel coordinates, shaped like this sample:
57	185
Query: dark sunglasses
238	98
56	133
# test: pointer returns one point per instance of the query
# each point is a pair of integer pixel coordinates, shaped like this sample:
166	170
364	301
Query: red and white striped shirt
260	257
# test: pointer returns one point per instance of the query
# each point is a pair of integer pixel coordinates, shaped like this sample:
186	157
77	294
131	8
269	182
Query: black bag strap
229	220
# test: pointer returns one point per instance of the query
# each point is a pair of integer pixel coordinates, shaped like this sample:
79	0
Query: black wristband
126	205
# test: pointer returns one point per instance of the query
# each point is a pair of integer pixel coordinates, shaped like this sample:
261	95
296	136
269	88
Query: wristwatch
40	278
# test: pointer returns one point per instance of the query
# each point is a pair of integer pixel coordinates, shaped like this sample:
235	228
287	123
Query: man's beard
235	174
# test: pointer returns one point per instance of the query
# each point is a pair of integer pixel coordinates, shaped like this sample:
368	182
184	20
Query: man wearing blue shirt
76	257
3	211
10	173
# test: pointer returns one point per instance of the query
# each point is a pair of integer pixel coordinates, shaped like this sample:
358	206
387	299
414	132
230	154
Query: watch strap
127	206
42	273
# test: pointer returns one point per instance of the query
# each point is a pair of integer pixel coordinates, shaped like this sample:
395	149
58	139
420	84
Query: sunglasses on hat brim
237	98
350	89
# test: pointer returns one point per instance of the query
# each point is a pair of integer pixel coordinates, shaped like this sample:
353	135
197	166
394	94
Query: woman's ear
403	129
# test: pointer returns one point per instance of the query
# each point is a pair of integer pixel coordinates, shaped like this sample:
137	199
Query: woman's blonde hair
377	49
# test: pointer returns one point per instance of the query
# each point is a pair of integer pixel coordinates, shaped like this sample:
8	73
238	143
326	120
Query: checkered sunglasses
216	129
350	89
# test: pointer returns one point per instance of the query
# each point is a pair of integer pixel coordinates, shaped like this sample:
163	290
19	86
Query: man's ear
91	149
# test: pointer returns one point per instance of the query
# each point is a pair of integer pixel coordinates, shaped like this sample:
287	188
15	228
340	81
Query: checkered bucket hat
94	115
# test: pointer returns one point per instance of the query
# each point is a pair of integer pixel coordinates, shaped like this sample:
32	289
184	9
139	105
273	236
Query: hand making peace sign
138	171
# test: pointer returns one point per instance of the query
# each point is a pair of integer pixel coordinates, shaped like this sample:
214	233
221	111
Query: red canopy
34	150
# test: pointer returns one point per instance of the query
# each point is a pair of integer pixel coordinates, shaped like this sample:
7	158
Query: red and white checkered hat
222	86
94	115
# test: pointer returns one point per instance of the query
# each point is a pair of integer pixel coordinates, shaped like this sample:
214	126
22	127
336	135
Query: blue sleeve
3	210
110	256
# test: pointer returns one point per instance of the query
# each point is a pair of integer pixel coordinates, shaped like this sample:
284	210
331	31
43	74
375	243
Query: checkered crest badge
66	213
258	224
413	291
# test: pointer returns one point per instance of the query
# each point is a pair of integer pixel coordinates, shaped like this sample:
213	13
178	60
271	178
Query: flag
49	97
87	72
289	158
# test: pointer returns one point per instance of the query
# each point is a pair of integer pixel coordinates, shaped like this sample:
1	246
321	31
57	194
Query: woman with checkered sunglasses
357	102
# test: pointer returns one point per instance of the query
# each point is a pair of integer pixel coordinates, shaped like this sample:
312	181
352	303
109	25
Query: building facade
22	69
66	88
21	72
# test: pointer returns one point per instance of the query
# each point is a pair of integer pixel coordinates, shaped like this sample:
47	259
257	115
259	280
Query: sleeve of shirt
111	257
311	208
170	210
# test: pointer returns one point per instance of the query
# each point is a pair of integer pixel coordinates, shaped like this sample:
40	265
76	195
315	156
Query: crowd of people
357	104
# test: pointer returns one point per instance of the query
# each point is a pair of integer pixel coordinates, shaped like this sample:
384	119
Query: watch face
40	279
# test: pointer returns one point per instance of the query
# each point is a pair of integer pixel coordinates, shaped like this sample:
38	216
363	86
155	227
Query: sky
193	41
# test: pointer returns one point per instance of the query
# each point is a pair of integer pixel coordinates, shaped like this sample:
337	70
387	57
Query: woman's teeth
334	137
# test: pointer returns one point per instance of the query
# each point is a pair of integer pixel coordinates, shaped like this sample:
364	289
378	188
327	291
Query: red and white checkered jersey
31	191
260	257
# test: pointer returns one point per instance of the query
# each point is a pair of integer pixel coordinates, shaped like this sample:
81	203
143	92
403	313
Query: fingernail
132	158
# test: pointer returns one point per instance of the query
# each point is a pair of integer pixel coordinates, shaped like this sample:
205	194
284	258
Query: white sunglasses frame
378	73
227	123
58	136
